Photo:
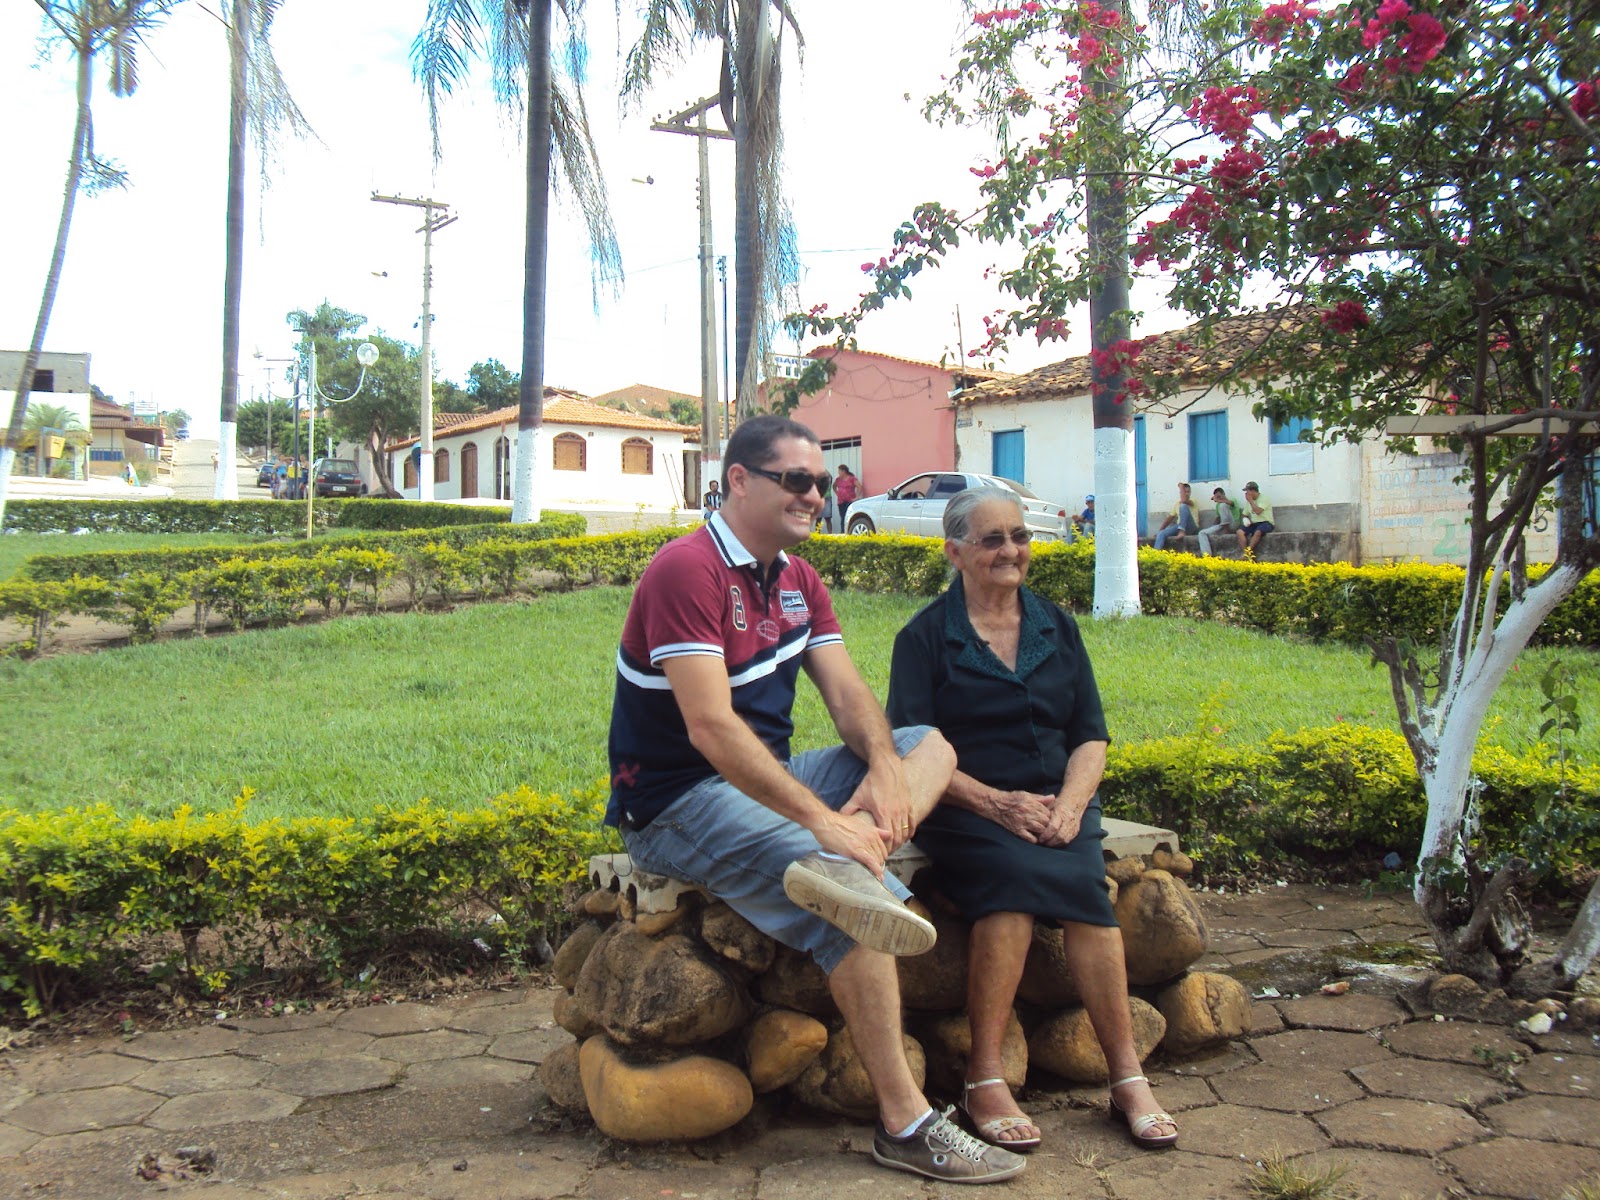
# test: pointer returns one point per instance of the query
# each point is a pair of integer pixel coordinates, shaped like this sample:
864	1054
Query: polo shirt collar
732	549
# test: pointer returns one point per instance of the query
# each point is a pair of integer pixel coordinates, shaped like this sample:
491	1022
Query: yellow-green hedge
84	888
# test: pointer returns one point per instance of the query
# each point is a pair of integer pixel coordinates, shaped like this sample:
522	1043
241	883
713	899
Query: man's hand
853	838
1025	814
885	796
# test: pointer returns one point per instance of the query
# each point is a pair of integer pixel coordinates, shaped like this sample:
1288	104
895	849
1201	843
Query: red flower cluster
1097	14
1347	316
1227	112
986	19
1276	20
1421	43
1050	327
1354	79
1238	170
1584	99
1117	357
1184	165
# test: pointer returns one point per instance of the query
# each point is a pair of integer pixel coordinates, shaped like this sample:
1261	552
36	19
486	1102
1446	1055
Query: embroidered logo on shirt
791	602
767	631
739	622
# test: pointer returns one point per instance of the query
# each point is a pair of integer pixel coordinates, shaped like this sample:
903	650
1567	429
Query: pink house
887	417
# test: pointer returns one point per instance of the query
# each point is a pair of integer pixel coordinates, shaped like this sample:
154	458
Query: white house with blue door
1372	505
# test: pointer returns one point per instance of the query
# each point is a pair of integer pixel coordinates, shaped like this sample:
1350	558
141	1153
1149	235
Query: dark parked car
264	476
337	477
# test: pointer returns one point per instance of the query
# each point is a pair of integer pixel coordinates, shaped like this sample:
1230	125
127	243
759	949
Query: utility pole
434	218
710	408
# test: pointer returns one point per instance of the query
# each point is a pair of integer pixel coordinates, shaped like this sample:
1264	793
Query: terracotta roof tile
1206	353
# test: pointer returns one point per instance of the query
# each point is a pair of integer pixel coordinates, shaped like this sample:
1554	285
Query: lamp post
366	355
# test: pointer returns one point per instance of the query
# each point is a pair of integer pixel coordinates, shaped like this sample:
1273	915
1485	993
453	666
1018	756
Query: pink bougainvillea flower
1424	41
1347	316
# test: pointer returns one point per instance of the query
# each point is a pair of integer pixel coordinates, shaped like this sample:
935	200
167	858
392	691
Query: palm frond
448	38
269	108
572	141
670	27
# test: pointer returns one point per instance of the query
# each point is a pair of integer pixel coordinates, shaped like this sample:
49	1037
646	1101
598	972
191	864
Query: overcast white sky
142	287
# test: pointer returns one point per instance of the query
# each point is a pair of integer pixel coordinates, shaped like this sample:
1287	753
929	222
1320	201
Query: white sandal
991	1130
1139	1126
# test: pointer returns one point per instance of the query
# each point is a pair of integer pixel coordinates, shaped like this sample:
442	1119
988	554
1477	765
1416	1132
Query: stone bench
682	1012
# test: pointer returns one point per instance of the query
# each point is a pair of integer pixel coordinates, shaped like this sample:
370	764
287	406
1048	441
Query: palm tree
88	26
46	419
765	258
515	37
258	101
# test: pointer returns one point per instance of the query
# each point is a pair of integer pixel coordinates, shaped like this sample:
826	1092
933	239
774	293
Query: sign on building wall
1415	510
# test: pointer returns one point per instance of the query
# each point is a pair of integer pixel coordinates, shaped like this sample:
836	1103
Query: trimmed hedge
86	889
272	518
171	562
1327	601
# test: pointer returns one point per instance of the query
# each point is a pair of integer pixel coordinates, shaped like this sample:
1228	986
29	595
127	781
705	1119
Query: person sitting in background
711	501
1227	520
1184	519
1004	675
1085	520
1255	519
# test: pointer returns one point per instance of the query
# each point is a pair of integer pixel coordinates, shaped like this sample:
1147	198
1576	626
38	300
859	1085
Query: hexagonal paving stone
1526	1170
176	1044
1421	1079
1455	1041
1163	1176
1351	1012
1413	1126
1381	1173
215	1074
1543	1119
70	1073
14	1140
531	1175
72	1112
1318	1048
448	1073
284	1023
204	1109
1560	1075
341	1076
530	1047
391	1020
1232	1057
1231	1131
504	1018
1308	939
1307	1089
297	1046
424	1047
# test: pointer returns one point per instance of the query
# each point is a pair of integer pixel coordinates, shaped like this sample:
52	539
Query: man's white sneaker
849	897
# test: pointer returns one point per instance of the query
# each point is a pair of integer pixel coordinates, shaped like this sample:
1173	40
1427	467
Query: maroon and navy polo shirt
706	594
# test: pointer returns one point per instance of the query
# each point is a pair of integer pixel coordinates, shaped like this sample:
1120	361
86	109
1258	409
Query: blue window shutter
1208	445
1288	433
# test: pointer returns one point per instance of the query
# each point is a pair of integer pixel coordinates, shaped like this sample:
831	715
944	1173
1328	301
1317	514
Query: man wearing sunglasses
704	788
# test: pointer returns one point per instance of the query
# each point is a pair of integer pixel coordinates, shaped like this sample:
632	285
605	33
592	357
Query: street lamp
366	355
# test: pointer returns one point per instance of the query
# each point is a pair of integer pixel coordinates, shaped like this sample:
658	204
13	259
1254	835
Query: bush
270	518
415	514
86	887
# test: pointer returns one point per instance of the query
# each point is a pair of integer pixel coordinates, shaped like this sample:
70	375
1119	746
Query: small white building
589	455
1374	505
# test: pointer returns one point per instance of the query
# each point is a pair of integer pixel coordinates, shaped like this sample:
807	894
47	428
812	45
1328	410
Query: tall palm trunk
1116	564
81	131
227	478
530	407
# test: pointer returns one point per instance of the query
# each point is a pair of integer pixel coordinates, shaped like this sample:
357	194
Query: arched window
571	452
410	479
636	457
469	471
502	468
441	466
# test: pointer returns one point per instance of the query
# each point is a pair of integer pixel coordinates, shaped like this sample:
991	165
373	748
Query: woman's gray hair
958	513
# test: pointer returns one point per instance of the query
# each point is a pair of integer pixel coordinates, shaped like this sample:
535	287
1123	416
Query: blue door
1141	486
1006	455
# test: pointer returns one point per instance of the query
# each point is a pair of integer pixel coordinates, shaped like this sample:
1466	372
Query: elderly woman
1003	674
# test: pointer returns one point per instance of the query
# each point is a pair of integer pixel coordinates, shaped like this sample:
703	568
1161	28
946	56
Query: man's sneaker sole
885	925
998	1176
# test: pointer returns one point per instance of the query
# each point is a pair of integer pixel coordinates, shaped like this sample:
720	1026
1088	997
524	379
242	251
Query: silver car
917	506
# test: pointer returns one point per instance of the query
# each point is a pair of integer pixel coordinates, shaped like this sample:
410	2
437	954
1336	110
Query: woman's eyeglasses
993	541
795	481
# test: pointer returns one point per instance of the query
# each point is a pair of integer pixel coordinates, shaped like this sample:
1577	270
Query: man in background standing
846	490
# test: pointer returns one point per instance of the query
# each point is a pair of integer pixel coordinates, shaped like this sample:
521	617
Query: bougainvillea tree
1415	189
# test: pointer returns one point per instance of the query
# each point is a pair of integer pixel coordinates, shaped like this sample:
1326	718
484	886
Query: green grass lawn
338	717
17	548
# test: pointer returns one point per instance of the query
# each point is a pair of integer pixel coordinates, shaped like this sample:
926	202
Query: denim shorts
738	849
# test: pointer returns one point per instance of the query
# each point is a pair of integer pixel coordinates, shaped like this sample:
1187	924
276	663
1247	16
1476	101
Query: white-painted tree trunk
1451	727
227	481
8	459
524	478
1116	541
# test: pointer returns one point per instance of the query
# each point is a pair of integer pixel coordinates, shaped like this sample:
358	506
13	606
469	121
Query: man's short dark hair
752	442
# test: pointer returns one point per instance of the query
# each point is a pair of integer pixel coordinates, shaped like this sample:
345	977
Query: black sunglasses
795	481
993	541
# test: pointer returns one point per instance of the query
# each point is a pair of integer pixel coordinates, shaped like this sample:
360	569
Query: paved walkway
440	1101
